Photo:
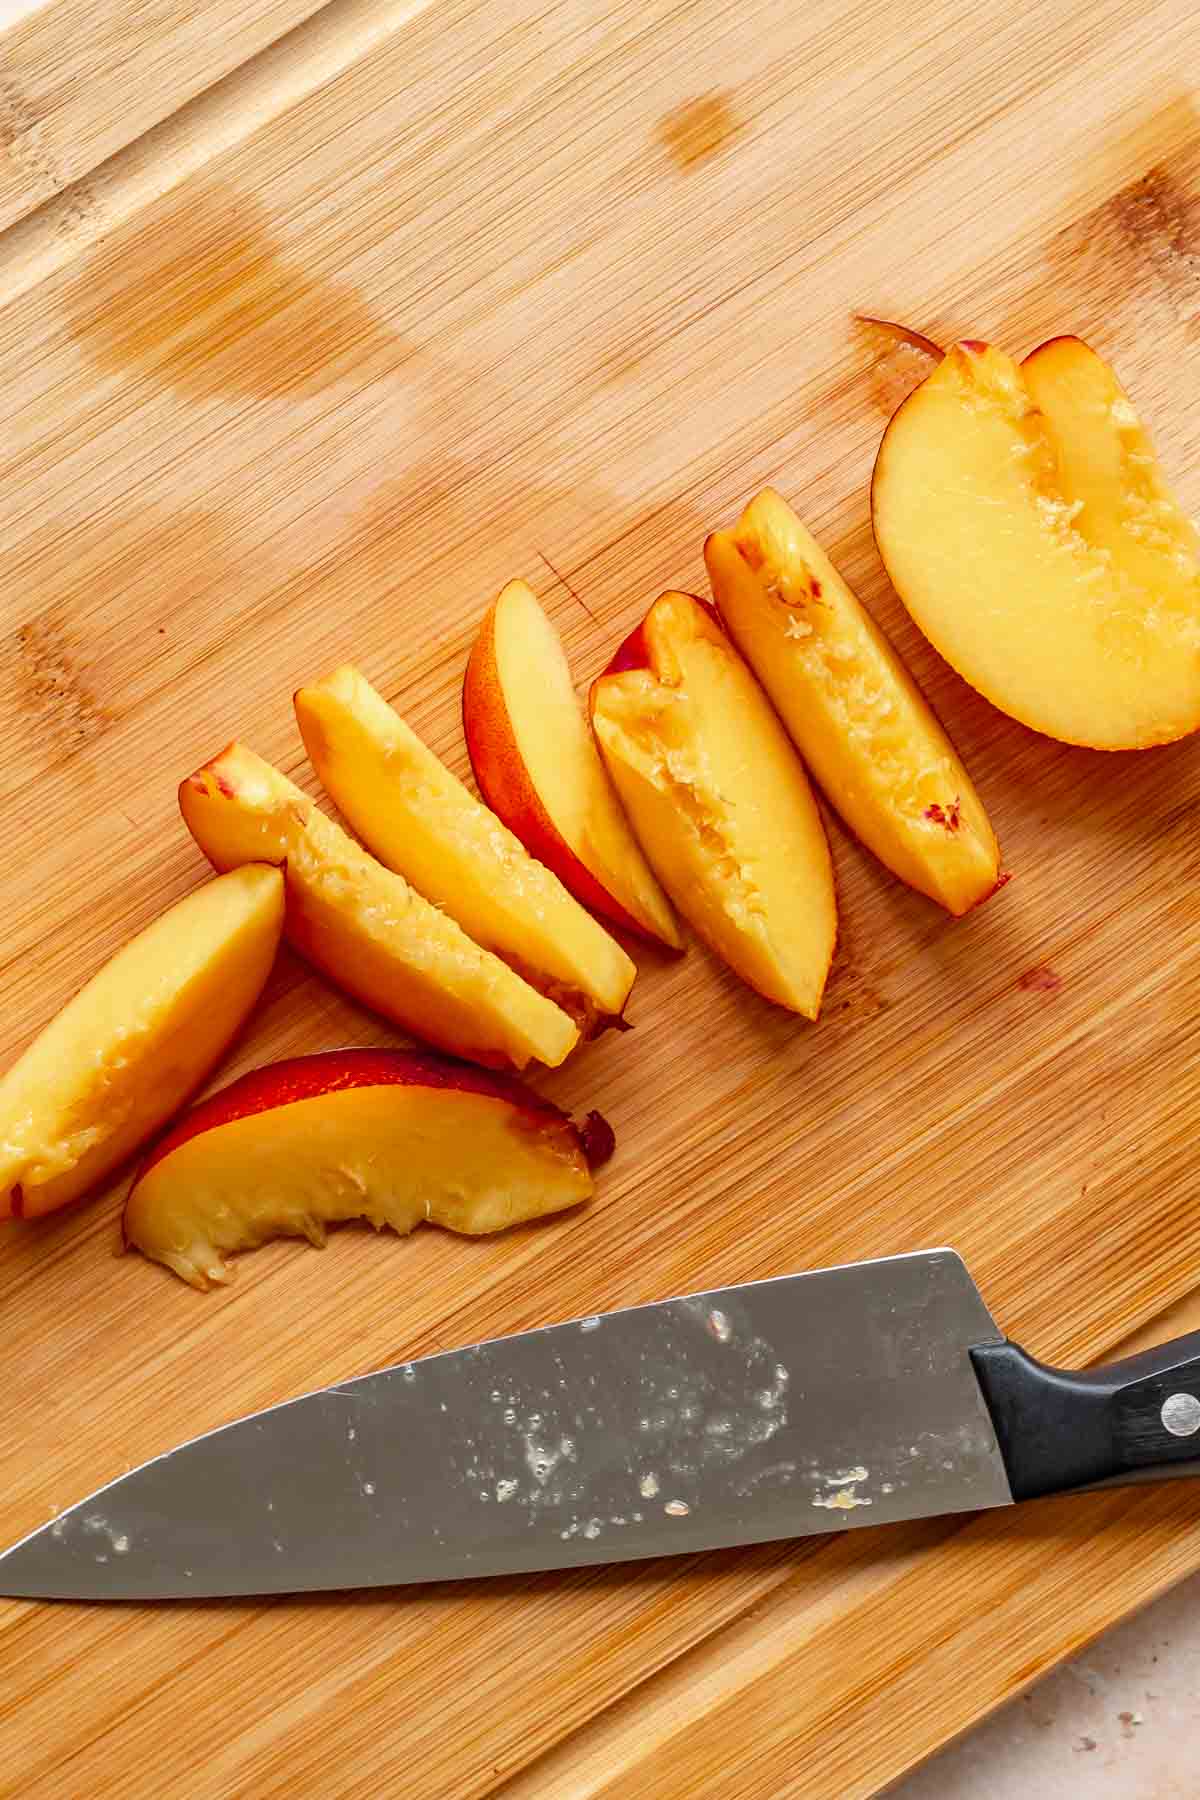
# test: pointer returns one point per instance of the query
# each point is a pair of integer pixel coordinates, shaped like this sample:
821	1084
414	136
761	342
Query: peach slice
537	767
393	1137
720	800
1027	527
851	707
1109	472
364	926
131	1046
419	820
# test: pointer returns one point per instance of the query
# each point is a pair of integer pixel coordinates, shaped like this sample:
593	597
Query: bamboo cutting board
429	295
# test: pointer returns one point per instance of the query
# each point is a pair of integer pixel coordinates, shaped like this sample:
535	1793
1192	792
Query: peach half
388	1136
133	1044
720	801
1026	524
538	769
853	710
364	926
420	820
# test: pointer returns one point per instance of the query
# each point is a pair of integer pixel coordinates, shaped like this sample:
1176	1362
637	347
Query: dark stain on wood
108	609
1135	258
696	131
51	686
1159	216
205	297
1042	980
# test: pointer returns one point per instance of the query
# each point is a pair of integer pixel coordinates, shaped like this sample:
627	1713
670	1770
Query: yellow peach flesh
136	1041
393	1156
721	803
365	927
1009	567
1109	472
420	821
851	707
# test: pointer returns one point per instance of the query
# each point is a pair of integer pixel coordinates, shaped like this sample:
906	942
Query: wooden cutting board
427	296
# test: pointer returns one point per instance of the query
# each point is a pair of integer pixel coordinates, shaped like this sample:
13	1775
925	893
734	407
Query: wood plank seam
278	78
22	137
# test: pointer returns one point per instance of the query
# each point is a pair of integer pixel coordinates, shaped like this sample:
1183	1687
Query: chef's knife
857	1395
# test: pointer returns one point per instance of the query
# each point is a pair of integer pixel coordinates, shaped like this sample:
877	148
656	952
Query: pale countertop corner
1117	1722
12	10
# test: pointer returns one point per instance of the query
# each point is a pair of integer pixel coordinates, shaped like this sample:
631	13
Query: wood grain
424	298
78	82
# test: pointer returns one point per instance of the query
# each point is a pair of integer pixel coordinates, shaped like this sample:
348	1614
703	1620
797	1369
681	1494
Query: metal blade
803	1404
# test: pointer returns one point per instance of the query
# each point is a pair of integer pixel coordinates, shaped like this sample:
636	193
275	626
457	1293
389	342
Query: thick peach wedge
537	767
131	1046
720	800
851	707
390	1136
1026	526
420	820
364	926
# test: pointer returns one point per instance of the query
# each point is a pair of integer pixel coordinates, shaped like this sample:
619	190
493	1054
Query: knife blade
857	1395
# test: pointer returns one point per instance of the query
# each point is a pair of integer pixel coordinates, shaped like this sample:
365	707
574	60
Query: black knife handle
1135	1420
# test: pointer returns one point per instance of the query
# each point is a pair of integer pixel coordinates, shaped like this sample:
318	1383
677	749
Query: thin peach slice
420	820
537	767
364	926
144	1033
1110	474
392	1137
851	707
